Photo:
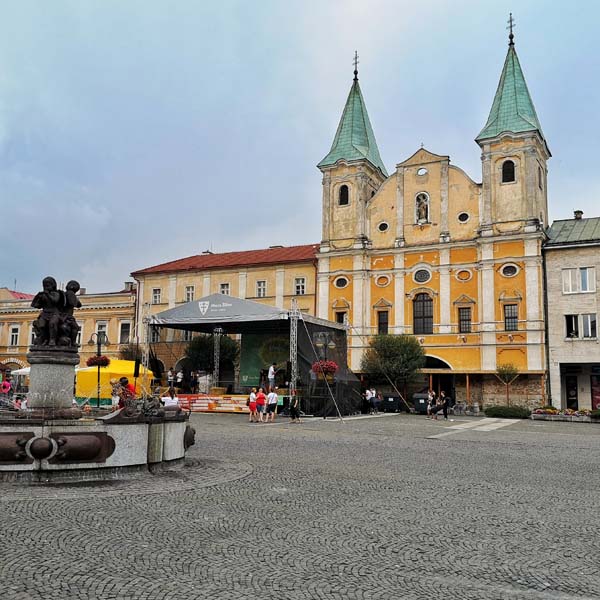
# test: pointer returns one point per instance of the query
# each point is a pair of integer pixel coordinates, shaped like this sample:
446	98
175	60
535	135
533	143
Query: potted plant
98	361
325	369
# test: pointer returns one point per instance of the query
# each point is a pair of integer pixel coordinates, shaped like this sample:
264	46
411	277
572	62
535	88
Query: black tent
317	338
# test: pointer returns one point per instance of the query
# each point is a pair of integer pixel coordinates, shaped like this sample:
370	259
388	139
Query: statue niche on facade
56	325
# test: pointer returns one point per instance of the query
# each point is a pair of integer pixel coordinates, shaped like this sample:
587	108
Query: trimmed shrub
507	412
595	414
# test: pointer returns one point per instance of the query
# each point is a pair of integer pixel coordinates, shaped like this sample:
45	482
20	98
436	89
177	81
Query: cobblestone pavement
372	508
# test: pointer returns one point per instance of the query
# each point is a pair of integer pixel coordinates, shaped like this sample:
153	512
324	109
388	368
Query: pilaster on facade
399	293
325	235
444	226
242	283
399	242
445	299
206	284
279	286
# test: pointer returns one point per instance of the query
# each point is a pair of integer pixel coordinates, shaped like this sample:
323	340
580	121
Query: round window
383	226
382	280
341	282
509	270
422	171
422	276
463	275
463	217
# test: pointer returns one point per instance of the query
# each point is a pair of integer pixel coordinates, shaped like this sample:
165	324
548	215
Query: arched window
508	171
344	196
422	314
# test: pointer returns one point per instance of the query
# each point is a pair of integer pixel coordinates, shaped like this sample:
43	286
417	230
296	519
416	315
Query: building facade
572	261
112	313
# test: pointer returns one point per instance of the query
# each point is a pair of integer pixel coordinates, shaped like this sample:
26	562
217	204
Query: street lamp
217	333
101	340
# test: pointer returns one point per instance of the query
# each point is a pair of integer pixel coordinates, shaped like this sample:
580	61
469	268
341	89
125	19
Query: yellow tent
87	379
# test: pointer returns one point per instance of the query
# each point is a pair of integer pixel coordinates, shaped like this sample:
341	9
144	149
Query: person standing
260	404
295	409
430	403
170	377
271	376
272	404
446	401
253	418
179	379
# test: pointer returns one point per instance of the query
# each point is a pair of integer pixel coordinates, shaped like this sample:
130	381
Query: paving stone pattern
365	509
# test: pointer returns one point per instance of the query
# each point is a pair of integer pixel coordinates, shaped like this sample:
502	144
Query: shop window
508	171
422	314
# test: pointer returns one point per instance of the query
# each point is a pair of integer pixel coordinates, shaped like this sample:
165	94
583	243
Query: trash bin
420	403
390	403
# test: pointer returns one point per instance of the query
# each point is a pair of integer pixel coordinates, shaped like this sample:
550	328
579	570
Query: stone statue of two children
56	325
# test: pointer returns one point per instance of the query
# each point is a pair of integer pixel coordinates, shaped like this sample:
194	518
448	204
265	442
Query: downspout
546	327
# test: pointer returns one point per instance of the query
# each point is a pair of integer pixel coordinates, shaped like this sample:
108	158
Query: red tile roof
20	295
246	258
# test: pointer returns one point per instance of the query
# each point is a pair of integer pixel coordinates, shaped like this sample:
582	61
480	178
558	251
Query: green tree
200	353
397	357
130	352
507	373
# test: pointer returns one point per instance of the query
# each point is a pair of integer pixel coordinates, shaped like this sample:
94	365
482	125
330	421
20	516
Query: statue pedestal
52	377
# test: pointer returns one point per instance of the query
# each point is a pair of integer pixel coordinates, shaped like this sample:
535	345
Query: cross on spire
511	25
355	63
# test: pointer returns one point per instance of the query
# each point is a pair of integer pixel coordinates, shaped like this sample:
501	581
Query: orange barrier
206	403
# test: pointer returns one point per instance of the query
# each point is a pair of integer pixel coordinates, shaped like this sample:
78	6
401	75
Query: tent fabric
233	315
87	378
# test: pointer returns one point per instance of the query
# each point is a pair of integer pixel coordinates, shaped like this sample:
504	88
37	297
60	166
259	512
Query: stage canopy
233	315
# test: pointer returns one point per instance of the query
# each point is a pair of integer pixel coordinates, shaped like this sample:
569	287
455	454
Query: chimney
208	252
128	286
82	291
578	214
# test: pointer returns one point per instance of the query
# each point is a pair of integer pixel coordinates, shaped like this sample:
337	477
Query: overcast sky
136	132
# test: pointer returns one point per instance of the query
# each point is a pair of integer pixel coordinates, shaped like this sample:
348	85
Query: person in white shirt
179	378
170	399
272	404
271	376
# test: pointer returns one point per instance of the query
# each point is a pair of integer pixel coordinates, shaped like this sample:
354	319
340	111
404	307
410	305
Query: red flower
327	367
98	361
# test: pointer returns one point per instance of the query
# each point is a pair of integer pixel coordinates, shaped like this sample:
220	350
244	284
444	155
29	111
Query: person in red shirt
127	392
260	404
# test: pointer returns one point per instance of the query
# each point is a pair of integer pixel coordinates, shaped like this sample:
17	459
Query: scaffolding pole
295	316
217	333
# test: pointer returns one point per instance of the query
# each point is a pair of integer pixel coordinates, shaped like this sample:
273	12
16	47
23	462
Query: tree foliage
130	352
200	352
399	357
507	373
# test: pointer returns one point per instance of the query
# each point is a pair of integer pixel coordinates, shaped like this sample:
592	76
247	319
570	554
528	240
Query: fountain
52	440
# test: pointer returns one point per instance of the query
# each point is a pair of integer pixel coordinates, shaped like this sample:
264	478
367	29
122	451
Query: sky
137	132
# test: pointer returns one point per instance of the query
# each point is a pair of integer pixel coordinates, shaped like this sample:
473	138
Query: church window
422	171
340	316
540	178
510	270
422	314
464	319
511	317
382	281
463	275
383	322
383	226
344	196
340	282
463	217
422	276
422	208
508	171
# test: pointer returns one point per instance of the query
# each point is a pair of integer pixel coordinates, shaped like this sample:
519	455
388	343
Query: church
425	250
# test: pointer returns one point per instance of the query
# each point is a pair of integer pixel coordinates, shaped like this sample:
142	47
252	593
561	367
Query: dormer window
508	171
344	196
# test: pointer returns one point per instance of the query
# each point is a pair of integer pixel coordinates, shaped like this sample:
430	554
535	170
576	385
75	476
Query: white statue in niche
422	208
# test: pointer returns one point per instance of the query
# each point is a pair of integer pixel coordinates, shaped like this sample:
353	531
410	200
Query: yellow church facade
425	250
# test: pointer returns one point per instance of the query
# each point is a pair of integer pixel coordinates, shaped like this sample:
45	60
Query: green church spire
512	109
354	139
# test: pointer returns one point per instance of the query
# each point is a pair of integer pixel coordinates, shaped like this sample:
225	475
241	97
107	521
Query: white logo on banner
203	306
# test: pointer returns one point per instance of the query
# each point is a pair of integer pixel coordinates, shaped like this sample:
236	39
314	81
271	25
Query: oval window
340	282
383	226
463	275
509	270
382	280
422	171
463	217
422	276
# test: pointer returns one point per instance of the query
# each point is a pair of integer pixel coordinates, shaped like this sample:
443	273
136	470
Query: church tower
514	155
352	172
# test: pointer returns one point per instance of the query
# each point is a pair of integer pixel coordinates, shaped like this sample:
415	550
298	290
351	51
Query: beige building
572	261
270	276
112	313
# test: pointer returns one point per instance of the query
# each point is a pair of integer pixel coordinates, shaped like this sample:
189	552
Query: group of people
435	404
373	399
263	407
